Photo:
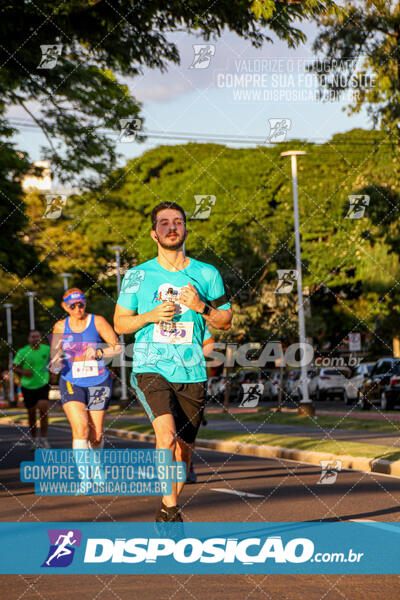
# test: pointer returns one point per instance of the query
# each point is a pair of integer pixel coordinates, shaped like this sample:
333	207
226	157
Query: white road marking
237	493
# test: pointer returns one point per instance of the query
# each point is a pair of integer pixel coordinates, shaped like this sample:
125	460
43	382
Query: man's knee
166	439
184	450
43	407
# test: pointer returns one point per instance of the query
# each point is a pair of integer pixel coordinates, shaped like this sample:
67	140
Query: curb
356	463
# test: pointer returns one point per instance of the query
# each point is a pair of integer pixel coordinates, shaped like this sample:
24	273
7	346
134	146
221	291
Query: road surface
288	490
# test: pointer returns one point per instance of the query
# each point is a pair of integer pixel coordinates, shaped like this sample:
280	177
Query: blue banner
198	548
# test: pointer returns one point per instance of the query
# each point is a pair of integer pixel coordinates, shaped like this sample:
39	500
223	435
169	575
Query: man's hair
163	206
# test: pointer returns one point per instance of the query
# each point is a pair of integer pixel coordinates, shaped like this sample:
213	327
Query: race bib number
85	368
173	332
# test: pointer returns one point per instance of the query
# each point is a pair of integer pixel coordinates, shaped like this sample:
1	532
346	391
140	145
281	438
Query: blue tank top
76	369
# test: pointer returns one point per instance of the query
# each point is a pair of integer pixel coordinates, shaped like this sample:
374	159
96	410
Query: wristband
97	357
206	310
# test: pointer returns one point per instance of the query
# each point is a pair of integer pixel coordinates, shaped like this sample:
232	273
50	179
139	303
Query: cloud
179	80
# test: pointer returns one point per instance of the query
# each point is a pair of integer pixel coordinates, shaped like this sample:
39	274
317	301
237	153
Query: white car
331	381
311	380
291	382
275	385
54	393
353	384
215	388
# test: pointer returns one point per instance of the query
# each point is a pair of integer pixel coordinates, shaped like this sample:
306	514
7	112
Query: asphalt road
289	492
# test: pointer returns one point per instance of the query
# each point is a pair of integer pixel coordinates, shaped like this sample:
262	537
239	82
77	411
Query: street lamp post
8	308
124	394
31	296
306	405
65	279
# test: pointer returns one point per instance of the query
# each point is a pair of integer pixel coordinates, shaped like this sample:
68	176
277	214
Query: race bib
173	332
85	368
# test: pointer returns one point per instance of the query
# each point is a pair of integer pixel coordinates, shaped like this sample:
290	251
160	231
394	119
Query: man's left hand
190	298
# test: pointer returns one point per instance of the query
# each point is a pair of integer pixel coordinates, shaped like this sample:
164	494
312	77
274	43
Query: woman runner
85	382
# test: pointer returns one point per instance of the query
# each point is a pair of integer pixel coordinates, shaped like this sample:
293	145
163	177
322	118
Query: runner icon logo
287	278
203	207
252	393
357	206
202	55
62	547
132	281
50	54
54	206
129	129
278	129
330	470
99	393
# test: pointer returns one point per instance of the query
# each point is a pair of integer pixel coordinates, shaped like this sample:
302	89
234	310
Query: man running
167	305
31	364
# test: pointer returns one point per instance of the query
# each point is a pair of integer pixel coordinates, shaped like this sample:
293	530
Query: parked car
311	379
276	383
54	393
382	386
214	388
291	382
331	382
353	384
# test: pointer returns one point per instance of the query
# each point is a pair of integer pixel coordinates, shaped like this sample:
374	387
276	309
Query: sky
237	93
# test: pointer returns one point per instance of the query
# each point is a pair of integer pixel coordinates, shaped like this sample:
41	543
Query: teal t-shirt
176	352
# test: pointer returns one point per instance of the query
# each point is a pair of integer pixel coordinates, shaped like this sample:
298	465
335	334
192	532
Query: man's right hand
162	312
21	371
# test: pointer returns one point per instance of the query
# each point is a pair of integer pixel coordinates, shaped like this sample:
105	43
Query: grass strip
373	451
320	421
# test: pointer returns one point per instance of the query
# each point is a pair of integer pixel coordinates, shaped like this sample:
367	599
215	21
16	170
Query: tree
82	94
350	265
361	50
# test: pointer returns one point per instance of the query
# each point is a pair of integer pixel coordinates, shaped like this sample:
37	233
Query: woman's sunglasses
77	304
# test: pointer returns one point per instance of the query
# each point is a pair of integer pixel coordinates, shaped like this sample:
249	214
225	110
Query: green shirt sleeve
19	357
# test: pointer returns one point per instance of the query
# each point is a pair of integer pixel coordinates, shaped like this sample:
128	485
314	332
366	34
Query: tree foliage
360	47
351	266
103	43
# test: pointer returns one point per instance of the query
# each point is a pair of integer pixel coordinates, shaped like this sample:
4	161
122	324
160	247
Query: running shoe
169	514
191	476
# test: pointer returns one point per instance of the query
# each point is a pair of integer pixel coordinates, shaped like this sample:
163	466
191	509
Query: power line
215	138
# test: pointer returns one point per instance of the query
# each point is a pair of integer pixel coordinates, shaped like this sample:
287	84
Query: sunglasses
77	304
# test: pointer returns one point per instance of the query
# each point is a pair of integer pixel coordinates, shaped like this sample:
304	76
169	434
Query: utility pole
65	277
31	296
8	308
124	392
306	405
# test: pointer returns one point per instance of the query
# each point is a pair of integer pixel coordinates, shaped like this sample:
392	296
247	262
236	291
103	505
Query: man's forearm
219	319
131	323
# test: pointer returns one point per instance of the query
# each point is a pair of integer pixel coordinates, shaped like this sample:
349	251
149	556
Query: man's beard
172	245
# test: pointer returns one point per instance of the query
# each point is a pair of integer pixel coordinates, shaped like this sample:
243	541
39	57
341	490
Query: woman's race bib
85	368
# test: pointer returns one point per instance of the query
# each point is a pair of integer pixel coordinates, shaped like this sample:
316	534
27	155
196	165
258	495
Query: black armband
219	301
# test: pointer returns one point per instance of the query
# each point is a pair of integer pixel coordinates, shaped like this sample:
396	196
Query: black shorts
32	397
185	401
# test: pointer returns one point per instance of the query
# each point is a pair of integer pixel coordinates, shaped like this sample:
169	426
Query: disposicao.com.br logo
247	551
